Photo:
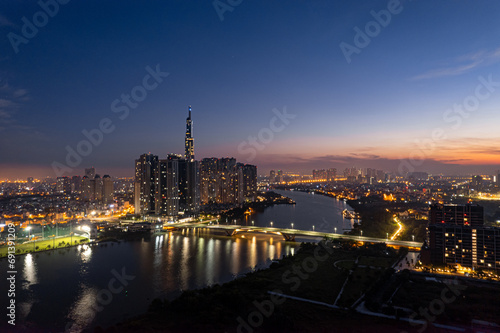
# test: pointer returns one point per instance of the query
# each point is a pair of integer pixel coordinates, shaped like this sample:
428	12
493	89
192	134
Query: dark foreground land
335	285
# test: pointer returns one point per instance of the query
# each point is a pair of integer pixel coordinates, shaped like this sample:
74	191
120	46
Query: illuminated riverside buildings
457	235
145	184
171	186
224	181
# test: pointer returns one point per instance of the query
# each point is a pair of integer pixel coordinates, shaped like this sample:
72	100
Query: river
101	285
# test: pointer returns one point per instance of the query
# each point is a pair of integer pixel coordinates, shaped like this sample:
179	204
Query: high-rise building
63	185
167	190
249	182
107	190
189	140
477	183
87	189
469	215
90	173
279	176
331	174
145	184
76	184
98	186
457	236
224	181
209	180
272	177
191	198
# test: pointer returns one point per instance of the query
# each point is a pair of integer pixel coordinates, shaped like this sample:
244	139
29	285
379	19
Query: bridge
287	234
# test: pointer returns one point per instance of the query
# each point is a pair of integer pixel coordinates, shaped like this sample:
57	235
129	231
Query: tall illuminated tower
189	141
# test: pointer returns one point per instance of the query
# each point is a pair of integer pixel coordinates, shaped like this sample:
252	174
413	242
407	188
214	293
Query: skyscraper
189	141
167	190
145	184
107	190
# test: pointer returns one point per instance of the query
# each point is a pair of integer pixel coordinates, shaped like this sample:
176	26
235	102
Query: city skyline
360	98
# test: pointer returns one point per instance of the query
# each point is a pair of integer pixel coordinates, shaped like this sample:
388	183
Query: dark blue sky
264	55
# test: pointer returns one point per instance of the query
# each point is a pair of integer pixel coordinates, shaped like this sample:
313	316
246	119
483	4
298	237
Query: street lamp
271	223
292	225
313	227
253	222
413	237
387	235
335	229
361	233
29	232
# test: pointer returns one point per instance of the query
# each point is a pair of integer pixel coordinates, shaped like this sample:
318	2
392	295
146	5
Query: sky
296	85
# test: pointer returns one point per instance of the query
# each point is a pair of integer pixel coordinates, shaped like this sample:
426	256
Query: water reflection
83	312
86	253
29	271
162	265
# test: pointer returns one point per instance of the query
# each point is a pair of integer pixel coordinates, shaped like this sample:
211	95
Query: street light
361	233
271	223
335	229
387	235
313	227
413	237
253	222
292	225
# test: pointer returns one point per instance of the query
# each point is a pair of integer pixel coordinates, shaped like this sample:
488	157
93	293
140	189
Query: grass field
43	245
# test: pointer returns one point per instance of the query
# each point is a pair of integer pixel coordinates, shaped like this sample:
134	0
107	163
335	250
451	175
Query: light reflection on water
70	280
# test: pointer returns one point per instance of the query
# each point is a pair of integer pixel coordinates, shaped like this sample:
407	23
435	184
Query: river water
100	285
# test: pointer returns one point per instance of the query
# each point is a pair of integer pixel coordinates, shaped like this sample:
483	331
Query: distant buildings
457	236
97	189
90	188
418	176
319	174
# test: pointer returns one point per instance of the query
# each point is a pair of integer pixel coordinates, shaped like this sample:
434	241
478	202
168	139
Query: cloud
462	64
10	102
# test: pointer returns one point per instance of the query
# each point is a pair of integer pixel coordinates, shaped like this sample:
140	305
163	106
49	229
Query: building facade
457	236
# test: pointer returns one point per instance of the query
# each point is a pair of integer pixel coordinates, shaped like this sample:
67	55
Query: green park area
43	245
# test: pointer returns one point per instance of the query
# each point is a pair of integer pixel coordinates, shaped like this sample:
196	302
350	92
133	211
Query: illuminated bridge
287	234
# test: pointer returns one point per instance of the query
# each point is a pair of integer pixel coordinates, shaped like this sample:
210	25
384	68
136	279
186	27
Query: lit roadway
286	233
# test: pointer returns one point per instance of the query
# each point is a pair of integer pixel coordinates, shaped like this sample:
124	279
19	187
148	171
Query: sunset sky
425	85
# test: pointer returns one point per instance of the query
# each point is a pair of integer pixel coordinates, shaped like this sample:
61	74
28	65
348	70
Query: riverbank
43	245
322	281
323	287
264	200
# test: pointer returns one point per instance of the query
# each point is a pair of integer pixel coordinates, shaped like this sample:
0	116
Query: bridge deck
286	233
